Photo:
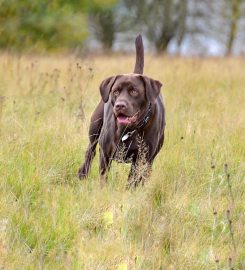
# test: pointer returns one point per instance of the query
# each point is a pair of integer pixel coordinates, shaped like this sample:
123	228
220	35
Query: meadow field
189	215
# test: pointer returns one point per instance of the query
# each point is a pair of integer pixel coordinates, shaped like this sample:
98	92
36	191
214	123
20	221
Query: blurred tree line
67	24
50	24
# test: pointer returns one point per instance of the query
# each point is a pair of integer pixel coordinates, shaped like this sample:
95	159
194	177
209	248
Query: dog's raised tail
139	61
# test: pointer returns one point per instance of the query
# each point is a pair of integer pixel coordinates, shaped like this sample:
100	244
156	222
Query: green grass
51	220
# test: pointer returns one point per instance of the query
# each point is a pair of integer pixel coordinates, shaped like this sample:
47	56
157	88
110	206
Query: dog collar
146	118
141	124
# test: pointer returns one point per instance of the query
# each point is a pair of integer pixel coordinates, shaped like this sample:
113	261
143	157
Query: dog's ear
105	87
152	88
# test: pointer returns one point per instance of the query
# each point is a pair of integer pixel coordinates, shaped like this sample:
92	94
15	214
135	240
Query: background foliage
179	25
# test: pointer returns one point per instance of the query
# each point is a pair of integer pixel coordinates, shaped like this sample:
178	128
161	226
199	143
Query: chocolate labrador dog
128	122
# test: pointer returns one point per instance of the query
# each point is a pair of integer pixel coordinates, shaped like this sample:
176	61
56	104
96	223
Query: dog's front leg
84	169
139	173
104	167
95	127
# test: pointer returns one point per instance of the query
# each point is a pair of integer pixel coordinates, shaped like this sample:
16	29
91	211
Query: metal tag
125	137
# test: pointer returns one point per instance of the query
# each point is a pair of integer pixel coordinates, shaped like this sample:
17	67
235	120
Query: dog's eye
133	92
116	93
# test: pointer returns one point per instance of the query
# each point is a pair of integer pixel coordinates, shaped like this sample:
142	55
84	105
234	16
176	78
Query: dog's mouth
126	120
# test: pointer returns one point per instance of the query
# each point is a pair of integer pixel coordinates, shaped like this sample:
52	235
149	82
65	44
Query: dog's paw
82	173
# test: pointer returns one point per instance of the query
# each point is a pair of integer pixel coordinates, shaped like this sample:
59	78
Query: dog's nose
120	105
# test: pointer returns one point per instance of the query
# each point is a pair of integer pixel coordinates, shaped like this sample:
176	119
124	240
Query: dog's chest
130	149
125	152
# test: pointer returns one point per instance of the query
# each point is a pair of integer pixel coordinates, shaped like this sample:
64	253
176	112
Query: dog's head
130	96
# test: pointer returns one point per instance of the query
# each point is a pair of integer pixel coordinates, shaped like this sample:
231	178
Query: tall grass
183	218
